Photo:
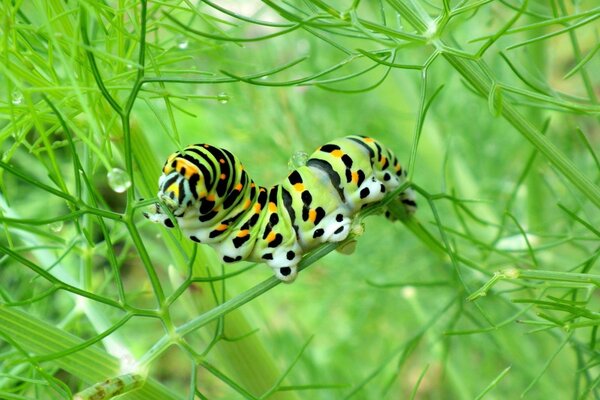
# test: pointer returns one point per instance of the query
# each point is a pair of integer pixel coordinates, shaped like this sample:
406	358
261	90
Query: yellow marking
368	140
312	215
221	161
174	187
397	167
383	160
337	153
210	197
252	185
270	237
221	227
223	176
354	177
247	204
202	195
299	187
206	146
243	233
238	187
190	168
257	207
272	206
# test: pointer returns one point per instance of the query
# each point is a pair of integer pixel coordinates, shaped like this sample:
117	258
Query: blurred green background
391	320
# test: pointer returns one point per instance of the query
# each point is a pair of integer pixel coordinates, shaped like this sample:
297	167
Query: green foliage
489	292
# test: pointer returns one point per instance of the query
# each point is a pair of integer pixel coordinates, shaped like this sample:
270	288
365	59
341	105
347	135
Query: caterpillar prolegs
215	202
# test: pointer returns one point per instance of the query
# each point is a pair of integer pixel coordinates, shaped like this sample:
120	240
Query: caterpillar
215	202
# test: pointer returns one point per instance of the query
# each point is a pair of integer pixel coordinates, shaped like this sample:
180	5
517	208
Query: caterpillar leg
407	200
154	214
334	227
286	274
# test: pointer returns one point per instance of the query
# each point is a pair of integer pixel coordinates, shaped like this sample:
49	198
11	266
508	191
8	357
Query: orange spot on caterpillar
312	215
354	176
243	233
222	227
247	204
223	176
210	197
397	167
270	237
368	140
257	207
222	161
337	153
272	206
299	187
238	187
382	161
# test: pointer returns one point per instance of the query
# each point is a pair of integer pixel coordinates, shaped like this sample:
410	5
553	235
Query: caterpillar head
178	184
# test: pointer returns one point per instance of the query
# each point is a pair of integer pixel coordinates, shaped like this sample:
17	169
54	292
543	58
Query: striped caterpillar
215	202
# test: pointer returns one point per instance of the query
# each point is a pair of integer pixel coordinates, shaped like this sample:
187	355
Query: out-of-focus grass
506	164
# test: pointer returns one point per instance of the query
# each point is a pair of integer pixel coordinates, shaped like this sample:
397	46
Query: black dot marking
306	197
387	214
295	177
267	256
409	202
348	175
277	241
361	177
146	215
320	214
339	230
385	164
239	241
169	223
195	239
285	271
274	219
364	193
339	218
290	255
347	160
328	148
382	188
207	217
318	233
206	206
228	259
387	177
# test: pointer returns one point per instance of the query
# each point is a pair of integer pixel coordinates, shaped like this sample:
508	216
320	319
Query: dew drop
118	180
223	98
298	160
17	97
56	226
183	45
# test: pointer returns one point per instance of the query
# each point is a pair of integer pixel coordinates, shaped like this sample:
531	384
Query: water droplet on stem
118	180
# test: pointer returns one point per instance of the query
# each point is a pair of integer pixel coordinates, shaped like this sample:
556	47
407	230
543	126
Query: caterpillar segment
215	202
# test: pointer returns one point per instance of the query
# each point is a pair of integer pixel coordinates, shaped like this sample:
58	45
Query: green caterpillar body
215	202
